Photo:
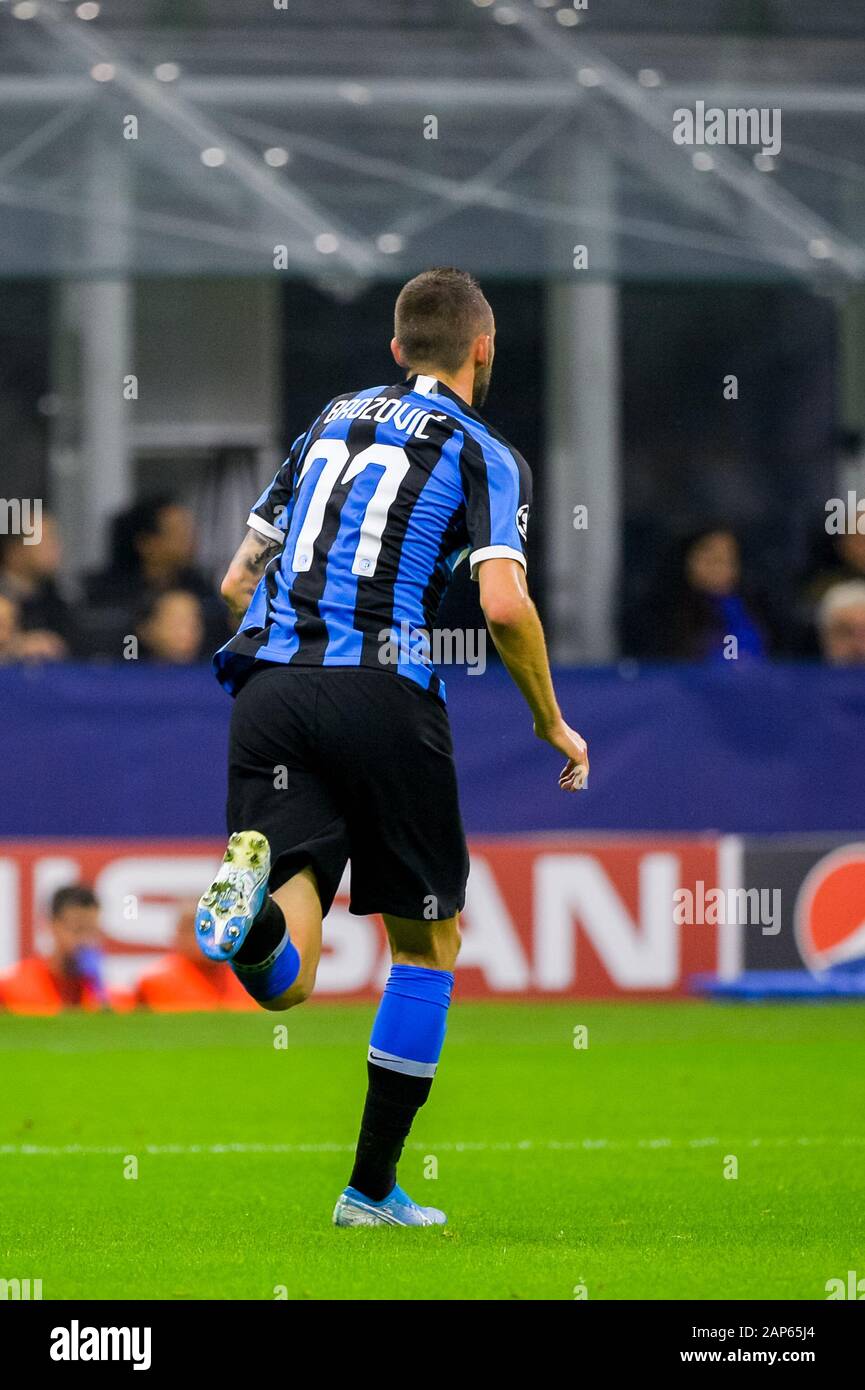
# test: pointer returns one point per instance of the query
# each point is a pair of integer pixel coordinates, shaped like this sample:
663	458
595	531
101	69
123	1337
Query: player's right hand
574	776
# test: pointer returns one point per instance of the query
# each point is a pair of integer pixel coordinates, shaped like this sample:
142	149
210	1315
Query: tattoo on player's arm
252	558
260	553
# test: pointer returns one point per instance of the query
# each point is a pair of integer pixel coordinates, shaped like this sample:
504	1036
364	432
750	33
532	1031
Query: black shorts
335	764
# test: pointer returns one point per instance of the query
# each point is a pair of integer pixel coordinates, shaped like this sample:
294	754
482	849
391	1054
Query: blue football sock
409	1029
273	975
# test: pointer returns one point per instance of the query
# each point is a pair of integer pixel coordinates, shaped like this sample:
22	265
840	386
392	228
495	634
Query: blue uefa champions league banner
137	750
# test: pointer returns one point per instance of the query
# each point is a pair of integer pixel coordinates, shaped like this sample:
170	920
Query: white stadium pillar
583	411
93	354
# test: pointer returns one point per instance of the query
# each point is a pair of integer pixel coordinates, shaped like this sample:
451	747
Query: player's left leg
275	981
262	914
238	921
406	1043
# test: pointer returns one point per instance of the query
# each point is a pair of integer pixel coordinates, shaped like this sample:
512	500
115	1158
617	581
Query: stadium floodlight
820	249
356	93
390	243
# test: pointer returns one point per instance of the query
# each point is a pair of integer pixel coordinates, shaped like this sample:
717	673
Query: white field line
467	1146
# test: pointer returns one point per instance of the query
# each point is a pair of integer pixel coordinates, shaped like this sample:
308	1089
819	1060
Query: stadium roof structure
370	137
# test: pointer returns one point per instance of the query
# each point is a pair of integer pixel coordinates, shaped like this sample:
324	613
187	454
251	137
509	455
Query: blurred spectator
29	574
16	645
841	624
702	603
72	976
185	981
10	631
844	561
153	547
171	628
152	552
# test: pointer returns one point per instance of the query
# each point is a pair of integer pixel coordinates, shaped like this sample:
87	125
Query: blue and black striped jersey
374	507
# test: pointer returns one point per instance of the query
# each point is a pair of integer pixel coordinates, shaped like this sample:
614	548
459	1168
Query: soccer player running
340	745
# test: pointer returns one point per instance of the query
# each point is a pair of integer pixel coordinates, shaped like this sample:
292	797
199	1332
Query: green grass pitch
560	1168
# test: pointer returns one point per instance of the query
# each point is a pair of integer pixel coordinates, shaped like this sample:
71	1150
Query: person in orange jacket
72	975
185	982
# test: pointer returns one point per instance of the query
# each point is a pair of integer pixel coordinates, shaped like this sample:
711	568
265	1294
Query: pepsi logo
830	910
